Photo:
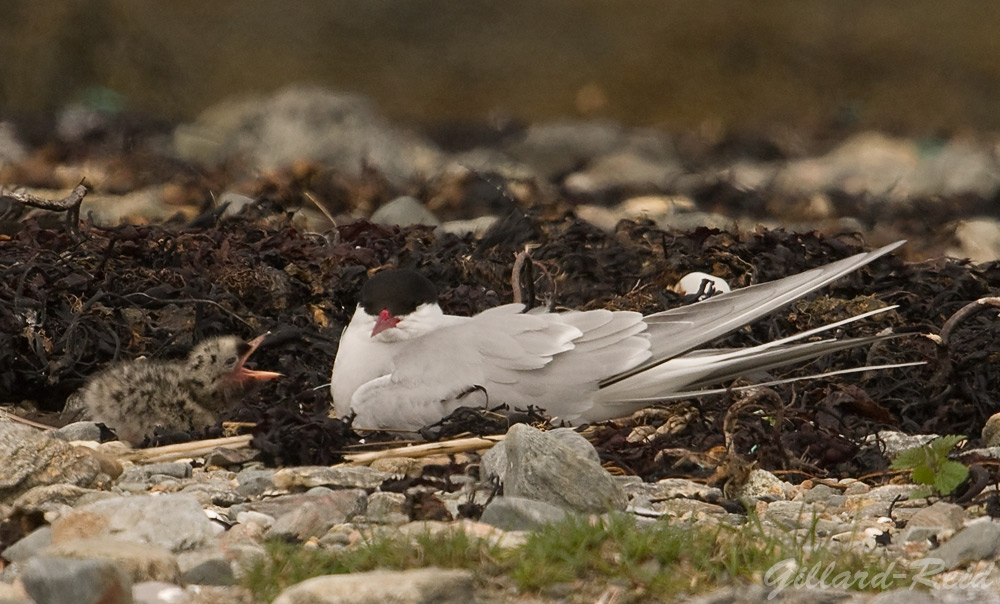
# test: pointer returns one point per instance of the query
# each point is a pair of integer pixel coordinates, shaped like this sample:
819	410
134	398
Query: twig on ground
194	448
460	445
8	416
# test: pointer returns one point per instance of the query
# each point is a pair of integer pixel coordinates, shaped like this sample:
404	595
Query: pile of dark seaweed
69	305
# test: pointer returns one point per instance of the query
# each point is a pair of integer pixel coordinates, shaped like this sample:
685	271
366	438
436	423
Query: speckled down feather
135	397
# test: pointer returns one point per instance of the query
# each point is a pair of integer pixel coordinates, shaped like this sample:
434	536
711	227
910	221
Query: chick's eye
231	361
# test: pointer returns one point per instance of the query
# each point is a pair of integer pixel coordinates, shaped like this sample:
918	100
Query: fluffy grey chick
133	398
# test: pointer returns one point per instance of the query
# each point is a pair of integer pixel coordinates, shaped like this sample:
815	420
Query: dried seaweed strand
963	313
69	204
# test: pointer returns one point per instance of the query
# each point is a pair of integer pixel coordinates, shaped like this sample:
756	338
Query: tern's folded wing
678	330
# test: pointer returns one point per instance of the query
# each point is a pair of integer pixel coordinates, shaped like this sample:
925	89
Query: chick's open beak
253	374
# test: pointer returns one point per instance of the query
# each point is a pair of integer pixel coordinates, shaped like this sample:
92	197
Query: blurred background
737	91
916	67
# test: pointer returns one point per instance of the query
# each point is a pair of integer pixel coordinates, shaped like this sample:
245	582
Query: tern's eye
231	361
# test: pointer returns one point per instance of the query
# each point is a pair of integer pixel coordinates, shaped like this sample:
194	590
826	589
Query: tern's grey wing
678	330
766	360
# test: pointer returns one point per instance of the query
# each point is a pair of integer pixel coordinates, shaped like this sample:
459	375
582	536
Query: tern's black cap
399	291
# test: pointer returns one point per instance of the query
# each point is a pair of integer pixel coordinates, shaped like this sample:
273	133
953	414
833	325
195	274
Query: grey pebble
63	580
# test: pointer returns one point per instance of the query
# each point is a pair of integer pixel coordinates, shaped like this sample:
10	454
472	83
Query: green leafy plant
929	465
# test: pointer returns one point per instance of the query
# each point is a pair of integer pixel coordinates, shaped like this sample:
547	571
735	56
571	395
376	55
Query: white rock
692	283
425	585
978	240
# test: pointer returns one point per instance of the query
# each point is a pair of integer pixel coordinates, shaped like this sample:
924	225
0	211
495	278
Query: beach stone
520	514
11	148
977	239
866	163
764	594
556	147
348	477
680	508
792	515
342	131
237	202
820	493
14	594
905	596
140	561
175	522
544	468
207	566
158	592
57	499
991	431
250	517
254	482
387	508
940	520
34	458
311	514
761	484
30	545
79	431
472	226
63	580
146	472
140	205
405	211
673	488
420	586
494	461
226	457
342	504
978	541
625	170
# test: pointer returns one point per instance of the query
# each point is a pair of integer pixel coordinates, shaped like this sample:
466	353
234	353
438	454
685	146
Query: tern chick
134	397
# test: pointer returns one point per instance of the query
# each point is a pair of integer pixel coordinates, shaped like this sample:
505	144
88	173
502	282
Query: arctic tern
403	364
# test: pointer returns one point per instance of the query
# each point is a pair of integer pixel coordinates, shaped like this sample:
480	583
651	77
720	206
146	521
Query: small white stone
691	283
